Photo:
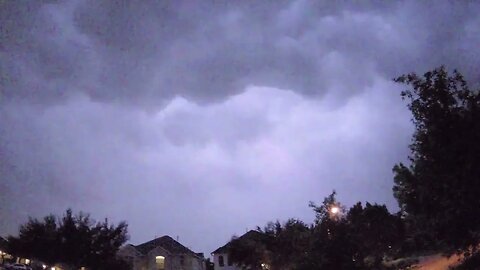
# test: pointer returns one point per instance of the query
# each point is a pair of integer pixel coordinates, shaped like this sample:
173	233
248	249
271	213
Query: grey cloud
142	52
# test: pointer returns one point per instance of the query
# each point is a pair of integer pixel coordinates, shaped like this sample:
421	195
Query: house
163	253
221	257
4	256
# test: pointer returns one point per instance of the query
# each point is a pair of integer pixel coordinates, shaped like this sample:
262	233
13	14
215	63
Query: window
229	262
160	262
221	263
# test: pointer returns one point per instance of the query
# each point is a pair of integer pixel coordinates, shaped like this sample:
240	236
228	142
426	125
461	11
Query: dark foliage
355	239
375	232
469	263
73	240
287	243
438	191
250	250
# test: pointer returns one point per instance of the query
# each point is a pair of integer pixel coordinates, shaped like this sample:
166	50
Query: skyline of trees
75	240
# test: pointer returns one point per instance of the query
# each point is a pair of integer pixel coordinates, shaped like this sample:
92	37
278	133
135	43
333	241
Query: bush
469	263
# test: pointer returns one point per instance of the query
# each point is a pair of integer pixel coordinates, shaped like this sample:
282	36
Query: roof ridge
167	243
248	234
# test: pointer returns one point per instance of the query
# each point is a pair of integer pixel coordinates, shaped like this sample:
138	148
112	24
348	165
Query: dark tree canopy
438	190
374	231
324	212
75	240
338	239
287	243
250	250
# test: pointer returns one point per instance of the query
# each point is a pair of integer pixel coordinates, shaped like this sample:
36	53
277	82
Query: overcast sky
200	119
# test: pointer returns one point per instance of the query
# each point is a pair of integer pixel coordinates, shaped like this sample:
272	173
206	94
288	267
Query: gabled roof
167	243
134	248
252	235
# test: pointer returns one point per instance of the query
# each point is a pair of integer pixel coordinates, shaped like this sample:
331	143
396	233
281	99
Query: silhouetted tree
105	243
288	243
250	250
438	190
375	232
37	239
329	210
330	247
338	239
73	239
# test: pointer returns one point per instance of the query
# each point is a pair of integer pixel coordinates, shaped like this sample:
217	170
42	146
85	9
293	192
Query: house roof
253	235
167	243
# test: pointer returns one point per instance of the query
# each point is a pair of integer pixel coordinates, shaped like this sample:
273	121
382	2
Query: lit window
221	263
160	262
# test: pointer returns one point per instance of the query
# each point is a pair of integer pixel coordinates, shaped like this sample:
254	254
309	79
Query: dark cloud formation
150	51
221	114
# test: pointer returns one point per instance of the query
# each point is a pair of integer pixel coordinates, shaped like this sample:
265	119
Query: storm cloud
203	118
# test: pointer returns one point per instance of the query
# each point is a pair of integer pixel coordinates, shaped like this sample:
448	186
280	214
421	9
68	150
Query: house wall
225	260
196	263
149	259
172	261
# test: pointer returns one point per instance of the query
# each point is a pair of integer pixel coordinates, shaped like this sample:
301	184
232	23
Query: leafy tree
105	243
338	239
74	240
331	247
277	246
330	209
288	243
36	239
374	232
438	191
250	250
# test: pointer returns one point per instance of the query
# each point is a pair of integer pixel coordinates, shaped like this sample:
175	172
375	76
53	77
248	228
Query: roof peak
247	235
166	242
